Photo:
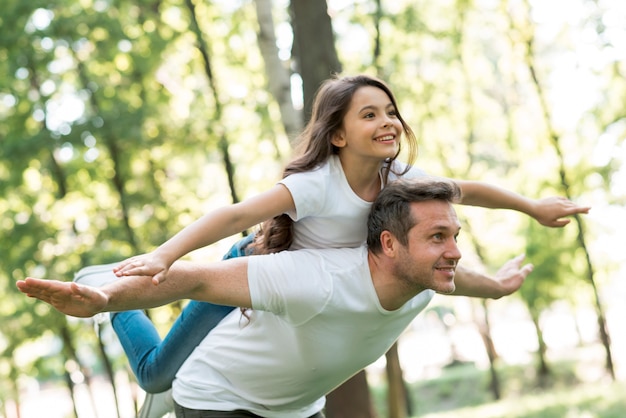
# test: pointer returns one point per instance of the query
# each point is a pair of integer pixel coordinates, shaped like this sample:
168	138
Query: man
319	316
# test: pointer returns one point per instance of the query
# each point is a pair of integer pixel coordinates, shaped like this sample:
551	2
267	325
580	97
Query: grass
462	391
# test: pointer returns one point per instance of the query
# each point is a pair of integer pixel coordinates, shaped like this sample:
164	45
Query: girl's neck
362	176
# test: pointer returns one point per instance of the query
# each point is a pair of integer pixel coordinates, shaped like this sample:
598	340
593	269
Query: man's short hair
391	210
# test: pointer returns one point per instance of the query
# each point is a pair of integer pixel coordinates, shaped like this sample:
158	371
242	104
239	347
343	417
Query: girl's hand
144	265
551	211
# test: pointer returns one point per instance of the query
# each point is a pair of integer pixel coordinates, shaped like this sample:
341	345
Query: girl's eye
393	113
369	115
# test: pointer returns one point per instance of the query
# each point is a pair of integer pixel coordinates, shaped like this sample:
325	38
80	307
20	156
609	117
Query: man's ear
389	243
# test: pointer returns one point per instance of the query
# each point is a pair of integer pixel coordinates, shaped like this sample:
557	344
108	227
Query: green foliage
552	252
108	131
462	392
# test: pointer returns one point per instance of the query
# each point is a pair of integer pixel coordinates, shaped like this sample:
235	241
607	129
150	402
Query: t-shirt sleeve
292	284
308	191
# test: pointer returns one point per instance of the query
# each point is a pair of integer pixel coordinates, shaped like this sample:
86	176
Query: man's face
430	258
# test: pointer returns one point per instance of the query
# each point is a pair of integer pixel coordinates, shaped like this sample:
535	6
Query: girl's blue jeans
155	361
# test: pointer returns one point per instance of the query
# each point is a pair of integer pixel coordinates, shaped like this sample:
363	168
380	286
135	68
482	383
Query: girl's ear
338	139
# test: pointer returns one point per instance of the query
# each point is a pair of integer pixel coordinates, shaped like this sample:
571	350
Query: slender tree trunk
470	119
351	399
397	393
216	119
543	371
14	392
70	385
108	367
555	140
484	328
277	74
313	46
111	143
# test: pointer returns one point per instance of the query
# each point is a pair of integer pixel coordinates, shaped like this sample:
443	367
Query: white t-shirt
289	356
316	322
328	212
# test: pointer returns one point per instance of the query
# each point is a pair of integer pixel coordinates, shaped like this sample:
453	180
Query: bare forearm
138	292
550	211
474	284
507	280
207	230
222	282
227	221
494	197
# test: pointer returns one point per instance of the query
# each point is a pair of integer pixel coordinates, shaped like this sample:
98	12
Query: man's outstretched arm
507	280
223	282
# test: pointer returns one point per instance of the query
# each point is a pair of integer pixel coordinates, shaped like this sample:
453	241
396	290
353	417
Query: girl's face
371	128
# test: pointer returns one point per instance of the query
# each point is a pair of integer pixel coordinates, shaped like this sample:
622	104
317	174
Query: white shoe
96	276
156	405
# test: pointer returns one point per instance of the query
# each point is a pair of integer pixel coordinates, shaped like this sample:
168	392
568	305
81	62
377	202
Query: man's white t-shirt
316	322
316	318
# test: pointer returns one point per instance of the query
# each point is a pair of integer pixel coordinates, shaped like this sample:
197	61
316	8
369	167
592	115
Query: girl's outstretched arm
208	229
550	211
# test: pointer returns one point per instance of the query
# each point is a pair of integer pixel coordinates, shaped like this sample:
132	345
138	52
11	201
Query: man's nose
452	251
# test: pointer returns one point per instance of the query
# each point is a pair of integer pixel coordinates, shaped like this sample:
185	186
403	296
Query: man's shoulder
315	259
329	256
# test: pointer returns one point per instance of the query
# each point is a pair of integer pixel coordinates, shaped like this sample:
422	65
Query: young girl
348	153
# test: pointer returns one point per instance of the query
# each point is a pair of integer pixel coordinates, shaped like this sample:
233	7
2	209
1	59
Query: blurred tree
111	138
527	37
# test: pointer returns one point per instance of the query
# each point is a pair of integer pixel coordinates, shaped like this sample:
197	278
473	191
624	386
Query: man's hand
148	264
552	211
511	275
67	297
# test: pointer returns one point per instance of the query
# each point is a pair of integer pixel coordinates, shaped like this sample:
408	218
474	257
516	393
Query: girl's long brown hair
314	148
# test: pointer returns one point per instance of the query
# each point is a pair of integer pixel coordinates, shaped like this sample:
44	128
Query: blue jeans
155	362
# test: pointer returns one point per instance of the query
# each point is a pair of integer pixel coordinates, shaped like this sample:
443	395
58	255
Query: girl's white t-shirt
328	213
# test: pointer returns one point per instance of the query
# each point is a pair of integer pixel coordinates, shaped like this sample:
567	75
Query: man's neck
392	292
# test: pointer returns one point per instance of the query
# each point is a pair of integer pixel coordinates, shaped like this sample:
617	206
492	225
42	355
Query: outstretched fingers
512	274
553	211
67	297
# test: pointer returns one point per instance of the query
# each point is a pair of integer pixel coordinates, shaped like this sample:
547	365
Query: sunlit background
463	82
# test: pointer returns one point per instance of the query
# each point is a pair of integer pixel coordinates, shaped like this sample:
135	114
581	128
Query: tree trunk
543	371
277	74
484	328
555	140
203	48
351	400
115	154
313	47
397	394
